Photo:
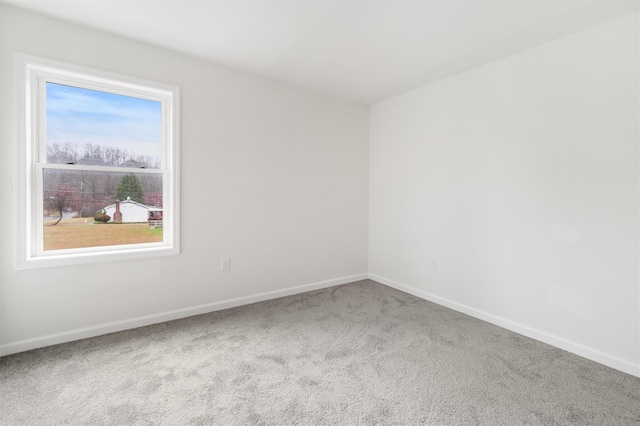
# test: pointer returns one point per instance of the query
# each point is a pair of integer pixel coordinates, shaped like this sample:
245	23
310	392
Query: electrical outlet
225	264
434	262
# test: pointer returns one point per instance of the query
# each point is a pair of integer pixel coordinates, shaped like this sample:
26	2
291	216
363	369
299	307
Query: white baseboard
83	333
559	342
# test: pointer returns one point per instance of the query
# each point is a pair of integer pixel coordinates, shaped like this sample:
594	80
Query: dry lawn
82	232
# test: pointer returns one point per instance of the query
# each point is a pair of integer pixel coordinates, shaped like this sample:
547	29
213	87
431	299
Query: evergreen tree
130	186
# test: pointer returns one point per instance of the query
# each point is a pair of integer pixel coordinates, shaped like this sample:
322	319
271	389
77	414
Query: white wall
273	176
522	178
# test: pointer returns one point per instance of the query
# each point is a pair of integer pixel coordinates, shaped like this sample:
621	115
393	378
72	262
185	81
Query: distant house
131	211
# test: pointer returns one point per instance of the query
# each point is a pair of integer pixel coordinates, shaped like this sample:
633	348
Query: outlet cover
225	264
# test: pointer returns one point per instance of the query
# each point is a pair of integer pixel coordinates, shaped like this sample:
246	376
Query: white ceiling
360	50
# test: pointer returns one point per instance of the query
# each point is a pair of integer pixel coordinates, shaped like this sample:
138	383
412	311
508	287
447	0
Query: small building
129	211
155	213
155	217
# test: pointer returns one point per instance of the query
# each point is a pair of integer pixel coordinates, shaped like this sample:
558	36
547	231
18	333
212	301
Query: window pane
104	129
93	209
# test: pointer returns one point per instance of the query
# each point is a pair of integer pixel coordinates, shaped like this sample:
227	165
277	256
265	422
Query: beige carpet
358	354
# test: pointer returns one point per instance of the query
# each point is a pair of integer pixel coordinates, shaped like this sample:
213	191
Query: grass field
82	232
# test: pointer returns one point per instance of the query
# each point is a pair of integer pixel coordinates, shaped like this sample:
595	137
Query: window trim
30	73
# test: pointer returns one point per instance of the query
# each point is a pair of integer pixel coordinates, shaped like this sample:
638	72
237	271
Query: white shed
132	211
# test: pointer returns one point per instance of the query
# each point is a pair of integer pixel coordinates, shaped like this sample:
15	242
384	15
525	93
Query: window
97	167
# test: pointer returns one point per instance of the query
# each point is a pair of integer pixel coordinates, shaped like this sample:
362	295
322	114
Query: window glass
98	208
92	127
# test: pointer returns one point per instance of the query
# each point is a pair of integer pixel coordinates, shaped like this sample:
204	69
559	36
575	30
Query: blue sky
81	116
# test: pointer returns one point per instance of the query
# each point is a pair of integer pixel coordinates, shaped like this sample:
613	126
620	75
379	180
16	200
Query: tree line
98	155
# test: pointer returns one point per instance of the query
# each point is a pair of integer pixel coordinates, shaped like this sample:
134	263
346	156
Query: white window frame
31	74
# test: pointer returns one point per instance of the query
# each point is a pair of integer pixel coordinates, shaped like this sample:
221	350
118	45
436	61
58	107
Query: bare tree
61	199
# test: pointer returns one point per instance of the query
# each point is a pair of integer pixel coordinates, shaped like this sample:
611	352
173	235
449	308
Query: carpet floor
356	354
